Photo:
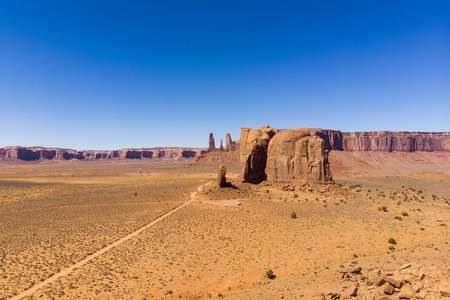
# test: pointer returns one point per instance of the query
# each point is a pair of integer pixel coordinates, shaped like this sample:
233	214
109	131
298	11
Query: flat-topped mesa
289	156
40	153
396	141
387	141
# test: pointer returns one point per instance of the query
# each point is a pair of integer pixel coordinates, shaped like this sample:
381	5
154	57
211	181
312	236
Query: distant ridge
40	153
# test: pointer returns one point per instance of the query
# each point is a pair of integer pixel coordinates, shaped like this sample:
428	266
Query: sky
123	74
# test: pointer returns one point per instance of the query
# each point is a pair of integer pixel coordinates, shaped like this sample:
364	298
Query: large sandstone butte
387	141
295	156
253	152
291	156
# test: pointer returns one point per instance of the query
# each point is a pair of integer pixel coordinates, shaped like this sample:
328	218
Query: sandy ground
219	245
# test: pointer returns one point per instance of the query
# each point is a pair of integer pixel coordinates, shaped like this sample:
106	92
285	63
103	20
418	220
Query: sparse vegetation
269	274
392	241
382	208
293	215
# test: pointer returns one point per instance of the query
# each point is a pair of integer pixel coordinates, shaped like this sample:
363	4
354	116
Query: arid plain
219	244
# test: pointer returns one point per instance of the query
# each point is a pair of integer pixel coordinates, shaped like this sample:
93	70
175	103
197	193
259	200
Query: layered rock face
331	138
39	153
384	140
253	152
294	156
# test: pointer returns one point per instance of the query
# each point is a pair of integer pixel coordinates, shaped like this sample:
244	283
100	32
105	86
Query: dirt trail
79	264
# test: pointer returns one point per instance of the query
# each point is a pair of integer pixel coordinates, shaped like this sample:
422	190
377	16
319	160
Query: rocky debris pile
222	180
384	140
291	155
409	281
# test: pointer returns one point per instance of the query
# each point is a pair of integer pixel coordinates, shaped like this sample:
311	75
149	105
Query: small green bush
269	274
293	215
392	241
405	214
398	218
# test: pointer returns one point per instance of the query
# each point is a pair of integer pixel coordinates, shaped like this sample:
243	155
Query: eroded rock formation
222	180
384	140
212	143
40	153
230	145
253	152
294	156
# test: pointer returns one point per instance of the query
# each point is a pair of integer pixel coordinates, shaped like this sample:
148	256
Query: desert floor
219	244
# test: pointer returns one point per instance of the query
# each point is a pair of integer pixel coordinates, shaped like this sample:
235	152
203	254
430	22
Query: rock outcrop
388	141
40	153
253	152
212	143
294	156
228	143
222	180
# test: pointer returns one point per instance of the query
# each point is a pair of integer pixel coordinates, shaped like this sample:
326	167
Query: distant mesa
387	141
40	153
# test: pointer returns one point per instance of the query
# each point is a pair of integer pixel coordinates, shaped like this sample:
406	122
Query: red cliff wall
384	140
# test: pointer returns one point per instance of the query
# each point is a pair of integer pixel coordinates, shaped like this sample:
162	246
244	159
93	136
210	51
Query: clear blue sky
115	74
